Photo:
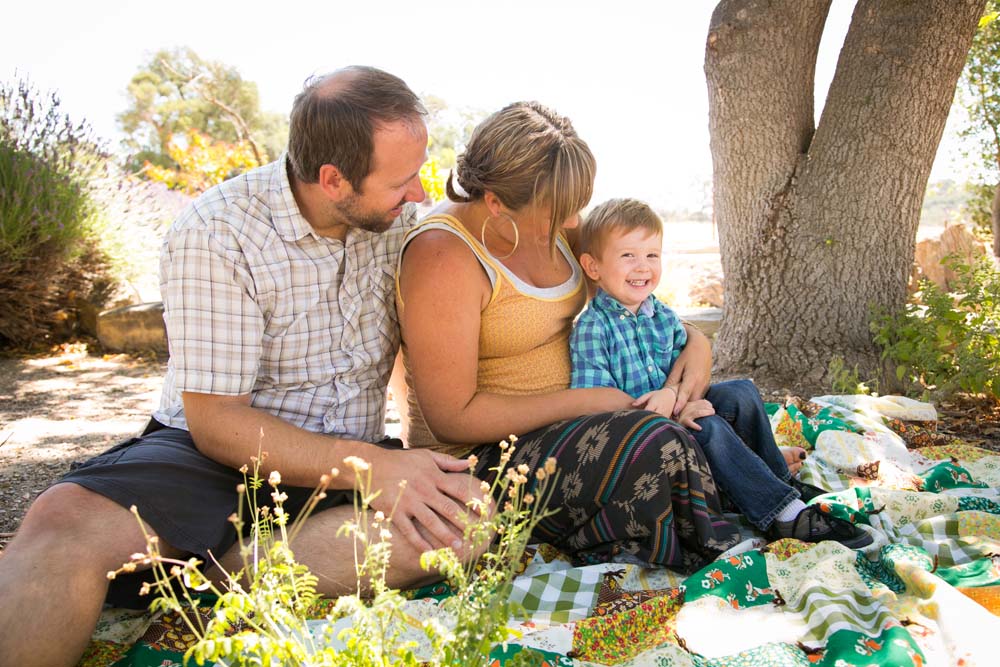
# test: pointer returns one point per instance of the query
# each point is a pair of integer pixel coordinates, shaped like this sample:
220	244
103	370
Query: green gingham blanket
924	593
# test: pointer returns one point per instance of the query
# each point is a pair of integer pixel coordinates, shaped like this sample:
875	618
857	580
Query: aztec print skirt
629	484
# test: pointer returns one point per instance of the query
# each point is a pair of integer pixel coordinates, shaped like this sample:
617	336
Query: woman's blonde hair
526	153
615	215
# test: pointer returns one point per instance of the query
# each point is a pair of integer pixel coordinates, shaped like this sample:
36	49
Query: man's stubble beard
369	221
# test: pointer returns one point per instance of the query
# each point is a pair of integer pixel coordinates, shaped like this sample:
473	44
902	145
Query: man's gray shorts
185	497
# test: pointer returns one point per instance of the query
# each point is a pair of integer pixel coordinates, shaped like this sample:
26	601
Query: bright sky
628	73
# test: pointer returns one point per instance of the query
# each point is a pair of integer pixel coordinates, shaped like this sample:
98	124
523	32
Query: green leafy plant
948	342
844	380
261	616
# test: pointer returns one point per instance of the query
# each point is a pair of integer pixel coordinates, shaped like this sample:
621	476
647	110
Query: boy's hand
661	401
695	410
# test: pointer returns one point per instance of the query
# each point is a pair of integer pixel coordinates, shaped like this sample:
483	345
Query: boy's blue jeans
745	460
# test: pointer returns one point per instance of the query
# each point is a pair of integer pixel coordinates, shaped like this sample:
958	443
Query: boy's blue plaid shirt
611	347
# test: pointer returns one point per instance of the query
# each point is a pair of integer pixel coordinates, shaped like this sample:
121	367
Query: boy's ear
590	266
333	183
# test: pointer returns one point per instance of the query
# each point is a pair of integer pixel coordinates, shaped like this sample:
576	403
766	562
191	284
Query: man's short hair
334	118
615	215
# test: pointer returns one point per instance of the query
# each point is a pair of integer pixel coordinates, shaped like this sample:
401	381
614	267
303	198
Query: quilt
925	592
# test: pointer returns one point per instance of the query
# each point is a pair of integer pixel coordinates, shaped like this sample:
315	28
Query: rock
954	240
706	286
138	328
706	319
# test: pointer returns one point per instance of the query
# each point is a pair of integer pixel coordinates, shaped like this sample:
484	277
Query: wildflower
334	472
528	499
385	534
112	574
379	517
473	461
523	469
484	487
356	463
241	488
540	474
279	497
138	556
512	475
512	438
508	507
504	445
274	479
233	518
145	588
244	468
550	465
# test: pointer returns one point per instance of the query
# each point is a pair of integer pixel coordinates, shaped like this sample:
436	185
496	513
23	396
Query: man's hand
428	512
661	401
695	410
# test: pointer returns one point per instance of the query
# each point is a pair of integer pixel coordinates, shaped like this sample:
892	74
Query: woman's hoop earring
517	235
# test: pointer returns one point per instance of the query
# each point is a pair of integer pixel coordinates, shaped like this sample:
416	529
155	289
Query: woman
488	289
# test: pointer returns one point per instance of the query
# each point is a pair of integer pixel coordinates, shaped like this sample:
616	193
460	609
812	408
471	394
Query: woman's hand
661	401
692	372
695	410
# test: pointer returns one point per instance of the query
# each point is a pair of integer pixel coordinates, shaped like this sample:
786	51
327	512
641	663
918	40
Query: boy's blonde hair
615	215
527	153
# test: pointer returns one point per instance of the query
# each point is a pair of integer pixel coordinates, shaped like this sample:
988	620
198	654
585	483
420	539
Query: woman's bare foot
794	456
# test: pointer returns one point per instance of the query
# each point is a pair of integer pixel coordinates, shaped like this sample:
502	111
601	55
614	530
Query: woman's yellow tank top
523	334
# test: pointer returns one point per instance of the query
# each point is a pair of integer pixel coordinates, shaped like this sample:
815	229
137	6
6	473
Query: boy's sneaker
814	525
806	491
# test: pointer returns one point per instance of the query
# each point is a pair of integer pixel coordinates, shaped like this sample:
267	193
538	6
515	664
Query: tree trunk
817	225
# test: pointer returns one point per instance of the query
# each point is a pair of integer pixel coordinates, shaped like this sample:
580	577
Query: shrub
948	342
73	229
47	164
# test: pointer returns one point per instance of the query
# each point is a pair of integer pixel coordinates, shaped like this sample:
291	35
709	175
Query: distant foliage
948	342
979	92
201	162
178	91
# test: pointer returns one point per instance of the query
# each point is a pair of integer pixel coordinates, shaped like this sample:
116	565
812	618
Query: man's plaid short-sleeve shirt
255	302
612	347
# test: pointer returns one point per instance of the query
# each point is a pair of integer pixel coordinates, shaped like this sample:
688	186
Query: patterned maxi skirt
630	483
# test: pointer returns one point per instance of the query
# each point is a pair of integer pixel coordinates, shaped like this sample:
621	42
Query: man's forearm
230	431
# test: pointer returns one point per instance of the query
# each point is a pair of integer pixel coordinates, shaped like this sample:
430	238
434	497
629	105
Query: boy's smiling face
627	266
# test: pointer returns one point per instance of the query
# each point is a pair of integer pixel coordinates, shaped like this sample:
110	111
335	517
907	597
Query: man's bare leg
53	575
331	558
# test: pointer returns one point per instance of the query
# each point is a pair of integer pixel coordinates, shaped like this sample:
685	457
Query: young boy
627	338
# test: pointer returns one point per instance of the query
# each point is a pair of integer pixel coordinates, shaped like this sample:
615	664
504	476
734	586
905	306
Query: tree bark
817	225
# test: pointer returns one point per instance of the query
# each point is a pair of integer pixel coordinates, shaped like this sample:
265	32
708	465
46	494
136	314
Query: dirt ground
68	405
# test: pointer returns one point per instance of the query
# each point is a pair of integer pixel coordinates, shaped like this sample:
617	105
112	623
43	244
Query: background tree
980	95
177	91
817	222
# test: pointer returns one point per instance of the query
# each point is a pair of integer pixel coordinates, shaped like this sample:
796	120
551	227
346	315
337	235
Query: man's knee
79	518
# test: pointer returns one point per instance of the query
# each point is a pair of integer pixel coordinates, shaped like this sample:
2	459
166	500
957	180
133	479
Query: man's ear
333	184
590	266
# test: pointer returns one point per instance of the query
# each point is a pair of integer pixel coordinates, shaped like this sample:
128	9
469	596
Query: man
278	298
